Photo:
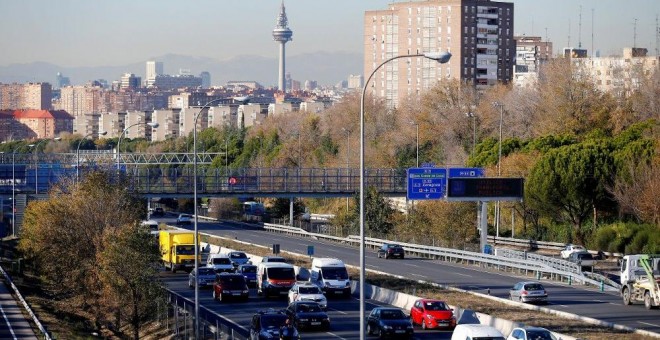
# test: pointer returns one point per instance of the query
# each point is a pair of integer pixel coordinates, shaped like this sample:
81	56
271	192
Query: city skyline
76	33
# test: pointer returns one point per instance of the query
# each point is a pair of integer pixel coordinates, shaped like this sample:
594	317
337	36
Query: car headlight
246	291
387	327
429	316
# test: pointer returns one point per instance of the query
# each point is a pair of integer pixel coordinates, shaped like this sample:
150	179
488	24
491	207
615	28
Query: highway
343	313
578	300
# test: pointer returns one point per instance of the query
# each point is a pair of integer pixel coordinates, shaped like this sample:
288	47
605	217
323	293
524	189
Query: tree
569	182
127	268
68	235
378	213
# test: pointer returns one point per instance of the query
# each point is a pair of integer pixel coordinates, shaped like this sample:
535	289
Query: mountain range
327	68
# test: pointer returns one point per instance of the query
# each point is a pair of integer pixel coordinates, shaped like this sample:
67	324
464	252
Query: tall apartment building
42	123
355	81
531	53
154	68
130	81
80	102
34	96
168	124
478	34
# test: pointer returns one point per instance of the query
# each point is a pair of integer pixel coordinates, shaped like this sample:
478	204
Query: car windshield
238	255
308	308
393	246
392	314
206	271
309	290
585	256
185	250
275	259
273	321
185	216
281	273
249	269
435	305
533	286
539	335
330	273
221	260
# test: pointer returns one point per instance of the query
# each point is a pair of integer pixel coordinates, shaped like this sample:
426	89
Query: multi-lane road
603	306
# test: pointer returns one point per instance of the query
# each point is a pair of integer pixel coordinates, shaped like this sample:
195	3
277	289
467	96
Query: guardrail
454	255
547	260
533	244
36	321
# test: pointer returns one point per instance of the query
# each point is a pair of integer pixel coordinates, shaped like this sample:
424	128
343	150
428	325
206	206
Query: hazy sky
73	33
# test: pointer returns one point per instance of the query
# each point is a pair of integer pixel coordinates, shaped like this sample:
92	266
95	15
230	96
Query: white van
330	275
275	278
220	263
476	331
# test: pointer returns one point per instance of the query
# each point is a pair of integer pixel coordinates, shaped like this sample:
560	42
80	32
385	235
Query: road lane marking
648	324
612	303
338	311
418	275
333	334
411	265
461	274
8	323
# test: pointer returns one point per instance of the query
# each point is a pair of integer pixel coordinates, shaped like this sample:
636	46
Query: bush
628	238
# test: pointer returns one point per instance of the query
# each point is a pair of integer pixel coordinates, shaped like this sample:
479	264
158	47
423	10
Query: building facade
531	54
42	123
30	96
478	34
153	69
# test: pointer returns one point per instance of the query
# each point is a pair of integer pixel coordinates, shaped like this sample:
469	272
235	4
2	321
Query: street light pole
441	58
196	239
499	168
152	125
36	162
348	153
102	133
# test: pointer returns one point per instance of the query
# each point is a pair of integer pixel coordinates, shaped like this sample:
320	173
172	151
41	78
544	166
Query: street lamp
442	58
151	124
499	168
196	240
417	143
102	133
36	162
348	153
474	129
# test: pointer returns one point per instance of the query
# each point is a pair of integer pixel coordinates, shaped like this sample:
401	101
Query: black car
266	324
308	314
389	250
158	211
389	322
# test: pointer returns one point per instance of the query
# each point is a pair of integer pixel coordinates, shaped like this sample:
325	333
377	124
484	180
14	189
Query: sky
75	33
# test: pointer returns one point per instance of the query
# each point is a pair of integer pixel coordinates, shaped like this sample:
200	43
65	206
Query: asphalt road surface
605	306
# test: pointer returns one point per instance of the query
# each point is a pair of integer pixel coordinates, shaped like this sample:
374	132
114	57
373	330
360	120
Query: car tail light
524	292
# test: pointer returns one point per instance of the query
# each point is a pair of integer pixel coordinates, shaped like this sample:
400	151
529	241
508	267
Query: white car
531	333
220	263
307	291
184	219
569	249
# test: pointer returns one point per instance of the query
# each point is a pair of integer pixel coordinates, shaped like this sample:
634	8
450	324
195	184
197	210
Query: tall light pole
196	239
36	162
474	129
102	133
417	141
151	124
13	191
499	167
348	153
442	58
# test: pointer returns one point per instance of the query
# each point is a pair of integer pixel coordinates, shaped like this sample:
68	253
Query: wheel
626	296
648	303
520	299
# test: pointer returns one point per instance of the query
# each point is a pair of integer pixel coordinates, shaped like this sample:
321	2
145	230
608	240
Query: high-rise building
130	81
531	53
154	68
355	81
478	34
36	96
61	81
282	34
206	79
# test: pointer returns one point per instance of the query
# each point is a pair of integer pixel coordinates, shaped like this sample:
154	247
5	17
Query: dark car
583	258
249	272
307	315
389	250
266	324
389	322
158	211
230	286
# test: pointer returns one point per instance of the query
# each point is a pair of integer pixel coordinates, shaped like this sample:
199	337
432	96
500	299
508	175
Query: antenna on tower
580	29
592	33
569	32
635	33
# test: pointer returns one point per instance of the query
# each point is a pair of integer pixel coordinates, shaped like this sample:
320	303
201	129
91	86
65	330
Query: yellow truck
178	249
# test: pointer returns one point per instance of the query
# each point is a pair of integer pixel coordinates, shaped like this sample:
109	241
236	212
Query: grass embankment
555	323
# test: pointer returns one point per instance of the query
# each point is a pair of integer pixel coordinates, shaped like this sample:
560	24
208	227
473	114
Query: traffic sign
466	172
426	183
310	250
485	189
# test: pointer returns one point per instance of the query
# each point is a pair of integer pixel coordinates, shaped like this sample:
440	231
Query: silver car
528	292
205	278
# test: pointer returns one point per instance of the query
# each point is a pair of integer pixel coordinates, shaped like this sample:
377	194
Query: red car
432	314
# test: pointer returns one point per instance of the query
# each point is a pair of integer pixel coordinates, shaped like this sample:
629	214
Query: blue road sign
466	172
426	183
310	250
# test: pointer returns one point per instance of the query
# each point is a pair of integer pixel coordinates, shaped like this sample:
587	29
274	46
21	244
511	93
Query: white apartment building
113	123
313	107
168	121
276	109
250	115
220	116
